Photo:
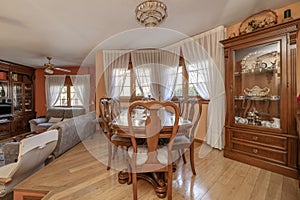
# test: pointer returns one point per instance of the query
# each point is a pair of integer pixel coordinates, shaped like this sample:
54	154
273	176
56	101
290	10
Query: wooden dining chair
109	109
152	156
190	109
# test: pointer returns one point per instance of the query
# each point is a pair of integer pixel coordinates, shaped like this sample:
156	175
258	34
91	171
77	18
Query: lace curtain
53	88
81	84
156	71
115	67
204	72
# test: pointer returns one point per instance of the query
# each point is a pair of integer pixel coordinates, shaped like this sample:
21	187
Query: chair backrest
34	150
191	109
115	108
153	126
105	113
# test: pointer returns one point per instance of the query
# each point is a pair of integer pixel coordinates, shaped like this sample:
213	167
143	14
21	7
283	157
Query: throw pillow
54	119
65	119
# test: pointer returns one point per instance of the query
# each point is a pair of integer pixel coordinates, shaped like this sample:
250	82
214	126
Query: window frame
68	83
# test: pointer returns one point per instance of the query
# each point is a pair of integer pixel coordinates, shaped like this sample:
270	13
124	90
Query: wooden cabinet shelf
260	85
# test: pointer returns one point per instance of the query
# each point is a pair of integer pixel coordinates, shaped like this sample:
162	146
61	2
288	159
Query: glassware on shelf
260	61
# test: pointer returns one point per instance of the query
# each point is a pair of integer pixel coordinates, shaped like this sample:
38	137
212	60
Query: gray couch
62	113
72	131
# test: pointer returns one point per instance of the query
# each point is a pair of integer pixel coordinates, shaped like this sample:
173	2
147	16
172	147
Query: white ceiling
68	30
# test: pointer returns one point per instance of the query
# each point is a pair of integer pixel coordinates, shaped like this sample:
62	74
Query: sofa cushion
10	152
62	112
46	124
73	112
55	119
55	112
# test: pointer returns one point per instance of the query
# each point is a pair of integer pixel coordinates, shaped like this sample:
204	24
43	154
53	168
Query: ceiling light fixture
48	71
151	12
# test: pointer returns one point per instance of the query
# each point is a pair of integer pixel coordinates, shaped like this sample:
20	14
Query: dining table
121	128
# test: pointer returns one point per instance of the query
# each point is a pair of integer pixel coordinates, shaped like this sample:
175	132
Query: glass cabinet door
257	86
28	97
17	97
3	89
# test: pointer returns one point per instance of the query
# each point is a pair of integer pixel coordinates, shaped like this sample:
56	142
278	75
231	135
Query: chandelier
151	12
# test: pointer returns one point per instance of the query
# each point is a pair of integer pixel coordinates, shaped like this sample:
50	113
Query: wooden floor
82	174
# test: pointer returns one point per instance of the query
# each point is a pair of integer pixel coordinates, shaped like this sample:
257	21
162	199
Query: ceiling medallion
151	12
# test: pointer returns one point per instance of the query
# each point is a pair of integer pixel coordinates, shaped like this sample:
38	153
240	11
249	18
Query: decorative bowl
256	91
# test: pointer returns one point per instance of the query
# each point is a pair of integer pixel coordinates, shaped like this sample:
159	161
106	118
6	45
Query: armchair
33	151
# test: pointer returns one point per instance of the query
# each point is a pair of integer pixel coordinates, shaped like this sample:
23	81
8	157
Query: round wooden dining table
120	123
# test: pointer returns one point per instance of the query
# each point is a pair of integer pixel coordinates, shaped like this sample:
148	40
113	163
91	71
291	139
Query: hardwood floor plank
229	182
261	186
289	189
235	182
245	189
275	185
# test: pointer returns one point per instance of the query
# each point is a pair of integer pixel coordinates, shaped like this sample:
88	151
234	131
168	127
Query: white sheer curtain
81	84
53	88
115	67
210	41
209	83
156	71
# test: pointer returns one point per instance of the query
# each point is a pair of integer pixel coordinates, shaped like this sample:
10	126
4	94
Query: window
185	82
145	85
196	76
130	87
192	81
179	83
126	91
68	96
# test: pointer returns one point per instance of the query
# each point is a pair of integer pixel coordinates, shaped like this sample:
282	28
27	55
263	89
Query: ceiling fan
49	68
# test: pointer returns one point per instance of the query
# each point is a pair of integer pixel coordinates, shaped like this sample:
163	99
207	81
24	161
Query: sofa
54	115
72	131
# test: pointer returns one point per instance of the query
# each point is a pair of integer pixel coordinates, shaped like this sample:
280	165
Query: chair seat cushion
181	140
162	154
121	139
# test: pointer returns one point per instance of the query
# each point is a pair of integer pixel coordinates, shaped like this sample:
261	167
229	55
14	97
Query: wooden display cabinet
261	98
16	98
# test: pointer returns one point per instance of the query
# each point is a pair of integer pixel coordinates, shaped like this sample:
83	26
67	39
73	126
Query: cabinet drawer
261	139
272	155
